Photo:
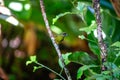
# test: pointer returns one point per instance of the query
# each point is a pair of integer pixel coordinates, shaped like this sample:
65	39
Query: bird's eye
65	34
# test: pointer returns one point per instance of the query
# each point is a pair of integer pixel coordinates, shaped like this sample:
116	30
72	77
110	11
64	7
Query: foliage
83	58
75	17
94	47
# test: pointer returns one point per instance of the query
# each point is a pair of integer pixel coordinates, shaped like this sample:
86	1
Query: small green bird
60	37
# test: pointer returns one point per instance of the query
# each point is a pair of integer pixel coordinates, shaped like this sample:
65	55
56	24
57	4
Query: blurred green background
18	43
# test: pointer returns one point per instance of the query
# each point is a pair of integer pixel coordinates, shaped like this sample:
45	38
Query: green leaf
110	26
35	68
85	67
65	57
116	72
81	58
59	16
110	65
89	16
93	45
94	48
116	44
82	9
33	58
81	6
56	29
66	60
106	72
82	37
100	78
79	73
82	69
115	69
28	62
90	28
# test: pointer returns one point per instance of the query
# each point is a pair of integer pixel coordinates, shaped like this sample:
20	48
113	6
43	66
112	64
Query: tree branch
102	45
53	40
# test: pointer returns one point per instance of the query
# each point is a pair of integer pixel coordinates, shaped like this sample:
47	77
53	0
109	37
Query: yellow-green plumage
60	37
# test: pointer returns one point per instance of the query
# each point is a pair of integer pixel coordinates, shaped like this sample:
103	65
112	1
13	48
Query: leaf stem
50	70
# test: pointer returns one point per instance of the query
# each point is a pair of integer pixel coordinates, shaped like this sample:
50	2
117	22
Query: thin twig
102	45
51	70
53	40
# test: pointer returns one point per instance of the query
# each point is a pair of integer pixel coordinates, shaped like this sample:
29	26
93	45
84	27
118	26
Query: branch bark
102	45
53	40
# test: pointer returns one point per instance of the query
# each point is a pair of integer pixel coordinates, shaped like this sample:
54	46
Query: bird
60	37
